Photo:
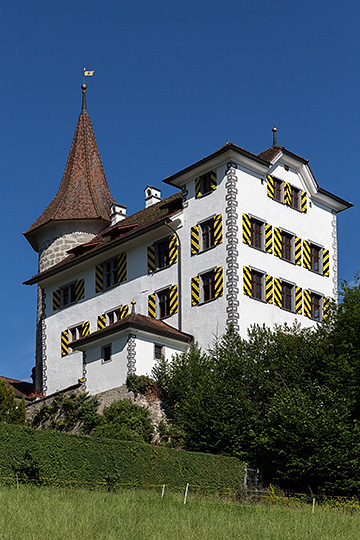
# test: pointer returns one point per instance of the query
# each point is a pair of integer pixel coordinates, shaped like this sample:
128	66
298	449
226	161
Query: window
205	184
113	316
207	232
295	198
256	231
69	294
315	306
164	303
287	296
257	285
110	269
106	353
158	351
278	190
75	333
315	253
208	286
286	246
163	254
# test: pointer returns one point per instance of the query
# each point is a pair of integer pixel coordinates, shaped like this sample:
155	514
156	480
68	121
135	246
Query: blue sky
173	82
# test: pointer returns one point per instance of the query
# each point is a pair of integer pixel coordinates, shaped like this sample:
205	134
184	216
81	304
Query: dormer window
205	184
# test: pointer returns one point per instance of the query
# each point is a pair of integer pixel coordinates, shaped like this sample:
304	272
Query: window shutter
307	303
325	261
99	278
56	299
298	300
194	240
195	290
219	282
306	254
173	250
218	236
151	258
277	292
124	311
213	180
80	289
85	329
297	250
287	193
101	321
152	306
326	307
246	223
303	202
269	289
270	186
121	267
198	187
64	343
277	241
247	280
268	238
173	299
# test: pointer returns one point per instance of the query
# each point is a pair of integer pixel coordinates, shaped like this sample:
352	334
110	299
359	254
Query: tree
11	412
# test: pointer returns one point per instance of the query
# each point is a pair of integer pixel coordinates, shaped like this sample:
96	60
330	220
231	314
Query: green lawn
59	514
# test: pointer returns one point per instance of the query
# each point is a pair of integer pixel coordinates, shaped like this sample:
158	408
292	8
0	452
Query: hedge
66	459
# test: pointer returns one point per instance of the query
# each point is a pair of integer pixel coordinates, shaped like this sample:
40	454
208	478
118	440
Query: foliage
27	469
286	399
66	413
76	460
11	412
126	421
140	384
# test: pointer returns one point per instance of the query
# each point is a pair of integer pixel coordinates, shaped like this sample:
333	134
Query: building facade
245	239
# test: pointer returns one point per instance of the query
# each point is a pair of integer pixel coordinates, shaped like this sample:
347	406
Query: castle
246	238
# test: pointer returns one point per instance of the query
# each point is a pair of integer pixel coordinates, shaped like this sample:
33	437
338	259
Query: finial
83	87
274	130
133	304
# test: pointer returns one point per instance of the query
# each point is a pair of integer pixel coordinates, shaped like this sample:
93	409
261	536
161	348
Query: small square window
106	353
158	351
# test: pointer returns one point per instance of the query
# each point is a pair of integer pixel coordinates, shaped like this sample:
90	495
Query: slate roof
139	322
84	192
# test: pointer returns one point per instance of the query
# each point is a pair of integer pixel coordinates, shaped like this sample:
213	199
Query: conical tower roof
84	192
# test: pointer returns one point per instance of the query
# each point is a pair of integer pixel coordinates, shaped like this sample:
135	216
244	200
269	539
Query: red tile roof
21	388
139	322
84	192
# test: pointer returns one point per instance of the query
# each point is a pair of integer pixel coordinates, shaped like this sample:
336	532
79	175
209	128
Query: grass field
58	514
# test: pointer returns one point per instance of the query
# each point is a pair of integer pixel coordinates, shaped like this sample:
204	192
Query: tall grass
57	514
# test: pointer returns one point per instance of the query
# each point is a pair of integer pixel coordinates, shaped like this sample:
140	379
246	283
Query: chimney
118	213
152	195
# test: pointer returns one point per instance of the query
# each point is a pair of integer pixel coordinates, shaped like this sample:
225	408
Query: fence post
313	507
163	491
17	481
186	492
245	477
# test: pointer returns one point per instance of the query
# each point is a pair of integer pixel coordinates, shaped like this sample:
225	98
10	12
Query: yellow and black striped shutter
298	300
326	307
124	311
121	267
269	289
85	328
277	292
219	282
198	187
287	193
270	186
213	180
306	254
173	249
173	299
56	299
246	225
277	241
152	305
218	236
151	258
325	261
194	239
195	290
307	303
79	290
101	321
297	250
303	202
99	278
64	343
268	238
247	280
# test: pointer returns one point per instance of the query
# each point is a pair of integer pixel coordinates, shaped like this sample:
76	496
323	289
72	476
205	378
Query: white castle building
246	238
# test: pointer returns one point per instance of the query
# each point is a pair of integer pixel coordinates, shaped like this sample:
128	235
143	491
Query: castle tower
79	211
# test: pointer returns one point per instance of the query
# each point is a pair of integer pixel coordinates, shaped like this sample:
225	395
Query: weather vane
87	74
